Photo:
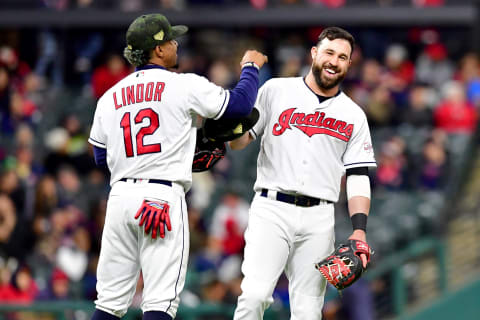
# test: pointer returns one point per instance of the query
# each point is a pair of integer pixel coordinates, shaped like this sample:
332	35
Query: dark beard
323	83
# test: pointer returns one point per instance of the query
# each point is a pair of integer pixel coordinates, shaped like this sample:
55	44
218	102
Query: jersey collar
321	98
149	66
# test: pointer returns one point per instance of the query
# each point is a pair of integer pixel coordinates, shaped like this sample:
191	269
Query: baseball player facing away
311	134
143	130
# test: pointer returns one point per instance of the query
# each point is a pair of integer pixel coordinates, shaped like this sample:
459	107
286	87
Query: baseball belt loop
272	194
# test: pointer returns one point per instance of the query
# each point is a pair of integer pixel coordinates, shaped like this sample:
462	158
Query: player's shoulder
282	83
189	76
351	105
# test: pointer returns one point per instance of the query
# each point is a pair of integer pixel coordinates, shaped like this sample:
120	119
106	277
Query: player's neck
157	61
312	84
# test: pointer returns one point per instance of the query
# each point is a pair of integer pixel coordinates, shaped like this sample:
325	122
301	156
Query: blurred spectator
229	222
418	113
220	74
291	67
72	255
56	142
46	197
371	78
433	66
455	114
8	221
17	69
50	59
10	185
108	74
469	75
87	47
433	166
392	165
20	110
58	287
198	234
358	302
4	91
21	289
400	72
380	107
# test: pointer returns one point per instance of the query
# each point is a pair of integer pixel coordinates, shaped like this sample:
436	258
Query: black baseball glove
207	152
344	266
225	129
210	146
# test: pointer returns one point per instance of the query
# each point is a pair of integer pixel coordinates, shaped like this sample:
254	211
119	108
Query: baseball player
311	134
143	130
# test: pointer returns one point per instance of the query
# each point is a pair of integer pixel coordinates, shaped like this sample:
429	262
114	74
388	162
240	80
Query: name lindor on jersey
313	123
139	93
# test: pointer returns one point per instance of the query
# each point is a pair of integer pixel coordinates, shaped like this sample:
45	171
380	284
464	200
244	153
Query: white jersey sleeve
206	98
261	104
359	151
98	137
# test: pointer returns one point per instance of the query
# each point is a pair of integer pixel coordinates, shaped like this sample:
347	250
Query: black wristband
359	221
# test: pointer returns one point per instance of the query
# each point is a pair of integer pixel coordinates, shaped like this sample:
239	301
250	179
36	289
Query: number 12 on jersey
146	130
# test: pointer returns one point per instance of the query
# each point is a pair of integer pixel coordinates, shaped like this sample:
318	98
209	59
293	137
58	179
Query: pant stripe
181	260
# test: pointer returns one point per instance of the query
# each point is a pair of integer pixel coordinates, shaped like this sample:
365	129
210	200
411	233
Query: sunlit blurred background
415	72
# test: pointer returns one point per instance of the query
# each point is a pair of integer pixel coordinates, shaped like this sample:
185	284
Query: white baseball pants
125	250
284	237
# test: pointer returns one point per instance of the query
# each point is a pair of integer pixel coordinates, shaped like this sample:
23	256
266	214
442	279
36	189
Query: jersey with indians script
308	141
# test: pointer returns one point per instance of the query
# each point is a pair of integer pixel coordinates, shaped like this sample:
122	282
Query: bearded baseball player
312	133
143	130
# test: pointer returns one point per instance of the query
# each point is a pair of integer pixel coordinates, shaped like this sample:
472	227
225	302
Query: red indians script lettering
312	124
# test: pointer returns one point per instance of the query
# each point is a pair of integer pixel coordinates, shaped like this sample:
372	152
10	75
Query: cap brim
178	31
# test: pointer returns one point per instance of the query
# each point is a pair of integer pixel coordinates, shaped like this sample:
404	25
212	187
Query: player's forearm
241	142
358	204
358	208
358	195
242	97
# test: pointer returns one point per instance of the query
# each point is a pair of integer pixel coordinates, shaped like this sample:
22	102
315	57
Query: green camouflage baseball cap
150	30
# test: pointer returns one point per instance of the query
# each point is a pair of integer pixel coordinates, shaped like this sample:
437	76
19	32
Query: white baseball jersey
145	122
308	142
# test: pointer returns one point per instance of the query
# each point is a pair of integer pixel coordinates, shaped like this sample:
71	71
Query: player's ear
313	52
158	52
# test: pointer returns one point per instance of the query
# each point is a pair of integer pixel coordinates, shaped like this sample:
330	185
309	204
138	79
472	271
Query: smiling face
331	59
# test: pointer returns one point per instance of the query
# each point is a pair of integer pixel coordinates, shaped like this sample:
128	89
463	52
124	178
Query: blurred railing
60	311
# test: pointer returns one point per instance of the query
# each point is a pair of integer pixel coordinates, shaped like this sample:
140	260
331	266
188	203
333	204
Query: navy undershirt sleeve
243	96
100	155
357	171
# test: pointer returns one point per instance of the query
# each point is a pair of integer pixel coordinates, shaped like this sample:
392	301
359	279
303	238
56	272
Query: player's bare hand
154	217
254	56
360	235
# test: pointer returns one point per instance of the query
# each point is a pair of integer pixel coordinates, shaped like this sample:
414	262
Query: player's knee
257	295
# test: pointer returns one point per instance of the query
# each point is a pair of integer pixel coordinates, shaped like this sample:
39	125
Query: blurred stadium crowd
421	95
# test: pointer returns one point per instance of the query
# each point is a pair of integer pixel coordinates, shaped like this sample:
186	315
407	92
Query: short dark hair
332	33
